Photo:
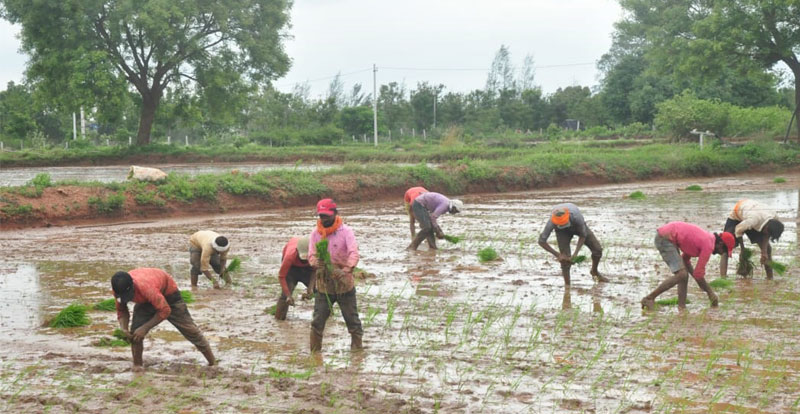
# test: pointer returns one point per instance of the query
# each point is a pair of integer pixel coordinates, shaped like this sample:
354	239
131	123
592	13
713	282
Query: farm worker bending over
334	277
294	269
411	195
427	207
678	237
568	221
157	298
208	250
759	222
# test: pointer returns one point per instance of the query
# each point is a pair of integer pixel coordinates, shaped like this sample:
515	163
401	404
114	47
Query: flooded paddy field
443	332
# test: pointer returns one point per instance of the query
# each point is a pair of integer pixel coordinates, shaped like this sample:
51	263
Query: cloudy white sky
451	42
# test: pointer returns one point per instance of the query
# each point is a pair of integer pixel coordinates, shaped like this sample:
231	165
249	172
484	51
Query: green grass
276	373
106	305
17	210
579	259
637	195
721	283
779	268
779	180
71	316
487	254
694	187
109	204
452	239
234	265
669	302
187	296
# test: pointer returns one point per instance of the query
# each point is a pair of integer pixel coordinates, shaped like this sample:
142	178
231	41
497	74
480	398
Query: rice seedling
270	310
579	259
323	255
669	302
694	187
71	316
487	254
234	265
637	195
108	305
721	283
452	239
119	339
779	180
779	268
746	265
187	296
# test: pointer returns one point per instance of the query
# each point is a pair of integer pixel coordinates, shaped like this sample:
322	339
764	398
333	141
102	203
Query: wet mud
443	331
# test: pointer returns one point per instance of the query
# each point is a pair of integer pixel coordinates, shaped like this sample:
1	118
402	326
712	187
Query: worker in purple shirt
426	209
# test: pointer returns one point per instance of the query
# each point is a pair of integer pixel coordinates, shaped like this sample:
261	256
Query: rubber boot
596	273
209	356
712	297
355	343
649	301
281	309
316	342
137	349
422	235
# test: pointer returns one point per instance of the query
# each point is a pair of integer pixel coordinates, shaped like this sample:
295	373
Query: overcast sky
451	42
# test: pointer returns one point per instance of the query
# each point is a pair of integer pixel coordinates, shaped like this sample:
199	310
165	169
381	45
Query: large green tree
726	43
93	45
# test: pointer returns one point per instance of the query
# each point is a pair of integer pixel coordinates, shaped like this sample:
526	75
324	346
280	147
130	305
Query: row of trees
203	68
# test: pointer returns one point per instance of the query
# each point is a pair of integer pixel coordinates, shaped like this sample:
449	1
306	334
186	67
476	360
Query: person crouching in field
156	298
566	219
409	197
334	280
427	207
208	250
759	222
678	242
294	269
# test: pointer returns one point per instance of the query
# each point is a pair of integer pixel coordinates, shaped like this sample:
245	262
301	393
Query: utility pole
375	102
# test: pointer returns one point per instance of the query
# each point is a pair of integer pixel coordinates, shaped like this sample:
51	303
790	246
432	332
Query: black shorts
754	236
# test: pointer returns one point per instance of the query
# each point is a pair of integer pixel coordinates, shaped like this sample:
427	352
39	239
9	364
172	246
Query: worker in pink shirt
678	243
334	284
157	298
409	197
294	269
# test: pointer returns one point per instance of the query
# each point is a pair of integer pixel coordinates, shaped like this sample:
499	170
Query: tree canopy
87	51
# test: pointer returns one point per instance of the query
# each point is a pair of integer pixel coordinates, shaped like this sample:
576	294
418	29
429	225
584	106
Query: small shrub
41	180
14	210
637	195
487	254
71	316
694	187
108	204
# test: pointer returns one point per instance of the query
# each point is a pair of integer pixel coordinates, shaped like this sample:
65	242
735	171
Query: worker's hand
139	334
338	274
290	300
127	334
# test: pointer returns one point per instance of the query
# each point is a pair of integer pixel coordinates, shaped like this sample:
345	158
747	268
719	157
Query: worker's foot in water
600	278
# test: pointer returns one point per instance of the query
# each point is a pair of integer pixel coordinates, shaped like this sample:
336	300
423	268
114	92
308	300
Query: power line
564	65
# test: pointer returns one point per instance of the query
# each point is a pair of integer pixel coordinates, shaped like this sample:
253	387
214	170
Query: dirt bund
69	206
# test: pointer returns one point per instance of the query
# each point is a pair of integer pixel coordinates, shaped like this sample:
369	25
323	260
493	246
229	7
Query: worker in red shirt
409	197
294	269
157	298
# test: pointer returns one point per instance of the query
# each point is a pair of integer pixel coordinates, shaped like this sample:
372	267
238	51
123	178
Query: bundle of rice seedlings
71	316
779	268
779	180
452	239
579	259
721	283
234	265
694	187
669	302
637	195
487	254
323	255
108	305
187	296
746	265
119	339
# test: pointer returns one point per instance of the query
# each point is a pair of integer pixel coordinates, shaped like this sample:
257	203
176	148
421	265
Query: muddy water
442	330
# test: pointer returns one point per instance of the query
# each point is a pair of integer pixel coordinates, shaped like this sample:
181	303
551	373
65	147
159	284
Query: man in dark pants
208	250
427	207
334	279
568	221
760	223
294	269
157	298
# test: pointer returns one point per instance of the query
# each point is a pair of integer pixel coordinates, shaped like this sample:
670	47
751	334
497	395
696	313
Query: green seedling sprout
270	310
453	239
579	259
234	265
745	266
721	283
323	255
779	268
487	254
669	302
108	305
71	316
637	195
187	296
694	187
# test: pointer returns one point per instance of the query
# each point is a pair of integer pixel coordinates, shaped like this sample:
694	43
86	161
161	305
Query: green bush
14	210
41	180
109	204
684	112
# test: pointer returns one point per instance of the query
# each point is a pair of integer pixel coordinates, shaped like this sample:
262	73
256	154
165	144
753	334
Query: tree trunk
147	117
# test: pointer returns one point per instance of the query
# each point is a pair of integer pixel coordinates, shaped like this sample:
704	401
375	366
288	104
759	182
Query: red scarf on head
327	231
